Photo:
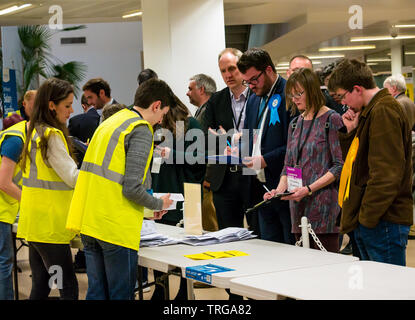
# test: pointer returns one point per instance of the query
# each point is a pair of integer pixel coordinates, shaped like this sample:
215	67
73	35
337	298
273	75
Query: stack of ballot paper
221	236
150	237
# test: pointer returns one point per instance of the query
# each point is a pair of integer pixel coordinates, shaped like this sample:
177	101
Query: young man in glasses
375	185
267	120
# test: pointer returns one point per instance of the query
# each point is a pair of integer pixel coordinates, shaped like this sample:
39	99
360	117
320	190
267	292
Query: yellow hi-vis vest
45	198
99	209
9	206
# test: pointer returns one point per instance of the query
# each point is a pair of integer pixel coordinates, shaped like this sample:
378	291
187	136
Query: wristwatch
309	190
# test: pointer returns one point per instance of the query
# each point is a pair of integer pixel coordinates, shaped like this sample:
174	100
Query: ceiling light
404	26
347	48
14	8
139	13
316	62
332	56
282	68
409	53
380	38
283	64
379	60
372	64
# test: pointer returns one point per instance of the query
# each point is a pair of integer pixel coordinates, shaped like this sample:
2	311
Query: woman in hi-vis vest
12	139
49	176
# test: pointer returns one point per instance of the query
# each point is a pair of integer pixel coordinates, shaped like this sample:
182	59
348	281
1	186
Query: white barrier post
304	232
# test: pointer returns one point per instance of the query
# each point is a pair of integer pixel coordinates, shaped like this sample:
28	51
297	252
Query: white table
263	257
360	280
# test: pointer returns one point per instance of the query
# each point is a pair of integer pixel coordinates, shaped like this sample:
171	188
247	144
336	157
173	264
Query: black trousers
232	199
57	259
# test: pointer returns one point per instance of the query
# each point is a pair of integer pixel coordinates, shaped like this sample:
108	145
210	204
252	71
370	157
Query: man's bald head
298	62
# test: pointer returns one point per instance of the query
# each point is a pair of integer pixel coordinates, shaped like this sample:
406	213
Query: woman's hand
299	193
270	194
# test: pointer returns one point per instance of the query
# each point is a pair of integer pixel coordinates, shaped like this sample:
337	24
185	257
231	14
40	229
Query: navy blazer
82	126
274	137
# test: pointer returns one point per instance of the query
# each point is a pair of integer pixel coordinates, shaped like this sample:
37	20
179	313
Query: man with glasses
267	120
376	180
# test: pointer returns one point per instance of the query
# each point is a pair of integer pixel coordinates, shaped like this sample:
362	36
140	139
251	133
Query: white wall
183	38
112	52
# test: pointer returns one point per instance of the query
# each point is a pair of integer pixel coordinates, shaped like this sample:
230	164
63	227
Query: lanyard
240	113
300	148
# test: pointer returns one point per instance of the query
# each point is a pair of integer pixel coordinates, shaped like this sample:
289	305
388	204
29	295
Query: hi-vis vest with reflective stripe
9	206
99	209
45	198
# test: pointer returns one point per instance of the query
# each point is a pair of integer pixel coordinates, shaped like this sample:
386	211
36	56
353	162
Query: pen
228	144
266	188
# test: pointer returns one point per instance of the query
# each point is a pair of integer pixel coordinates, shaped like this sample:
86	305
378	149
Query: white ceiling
311	23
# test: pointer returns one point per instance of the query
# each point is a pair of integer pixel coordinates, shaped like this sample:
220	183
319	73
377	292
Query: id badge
294	178
155	168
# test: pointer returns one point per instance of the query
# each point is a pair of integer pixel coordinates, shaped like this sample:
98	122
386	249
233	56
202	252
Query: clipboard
265	202
225	159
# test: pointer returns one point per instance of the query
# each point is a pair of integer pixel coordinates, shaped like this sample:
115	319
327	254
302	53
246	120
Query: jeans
6	262
384	243
111	270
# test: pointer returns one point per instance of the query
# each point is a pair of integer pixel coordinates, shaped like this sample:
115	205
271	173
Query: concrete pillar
182	38
396	56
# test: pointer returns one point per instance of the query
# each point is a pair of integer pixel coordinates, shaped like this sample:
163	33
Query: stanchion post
304	232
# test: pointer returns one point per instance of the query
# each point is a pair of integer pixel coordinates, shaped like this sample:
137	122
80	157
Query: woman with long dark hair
49	176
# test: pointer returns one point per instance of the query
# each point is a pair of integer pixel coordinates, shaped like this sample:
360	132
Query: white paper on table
173	196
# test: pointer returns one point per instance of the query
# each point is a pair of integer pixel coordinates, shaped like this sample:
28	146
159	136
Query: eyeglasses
295	95
341	97
253	80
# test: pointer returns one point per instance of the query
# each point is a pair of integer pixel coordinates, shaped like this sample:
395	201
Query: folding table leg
190	290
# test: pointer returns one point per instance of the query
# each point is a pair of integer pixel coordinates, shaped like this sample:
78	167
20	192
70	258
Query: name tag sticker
294	178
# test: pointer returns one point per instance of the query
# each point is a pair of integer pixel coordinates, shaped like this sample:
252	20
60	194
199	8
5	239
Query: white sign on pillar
182	38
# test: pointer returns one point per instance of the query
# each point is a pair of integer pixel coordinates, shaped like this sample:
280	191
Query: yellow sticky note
199	256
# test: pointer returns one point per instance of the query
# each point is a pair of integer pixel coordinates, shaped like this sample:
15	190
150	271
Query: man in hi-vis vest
112	190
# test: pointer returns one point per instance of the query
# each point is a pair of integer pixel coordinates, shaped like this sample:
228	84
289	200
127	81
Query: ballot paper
150	237
221	236
173	196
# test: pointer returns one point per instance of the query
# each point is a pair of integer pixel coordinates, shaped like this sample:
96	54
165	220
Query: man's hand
157	215
350	119
164	152
255	163
166	201
219	132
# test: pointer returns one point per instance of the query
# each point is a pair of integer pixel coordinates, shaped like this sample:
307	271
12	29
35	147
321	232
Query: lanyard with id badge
295	174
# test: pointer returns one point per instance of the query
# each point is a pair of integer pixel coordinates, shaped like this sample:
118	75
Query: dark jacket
83	126
381	179
218	112
274	137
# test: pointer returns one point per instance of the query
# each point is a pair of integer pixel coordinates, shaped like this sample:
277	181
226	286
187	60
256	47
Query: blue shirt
12	148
